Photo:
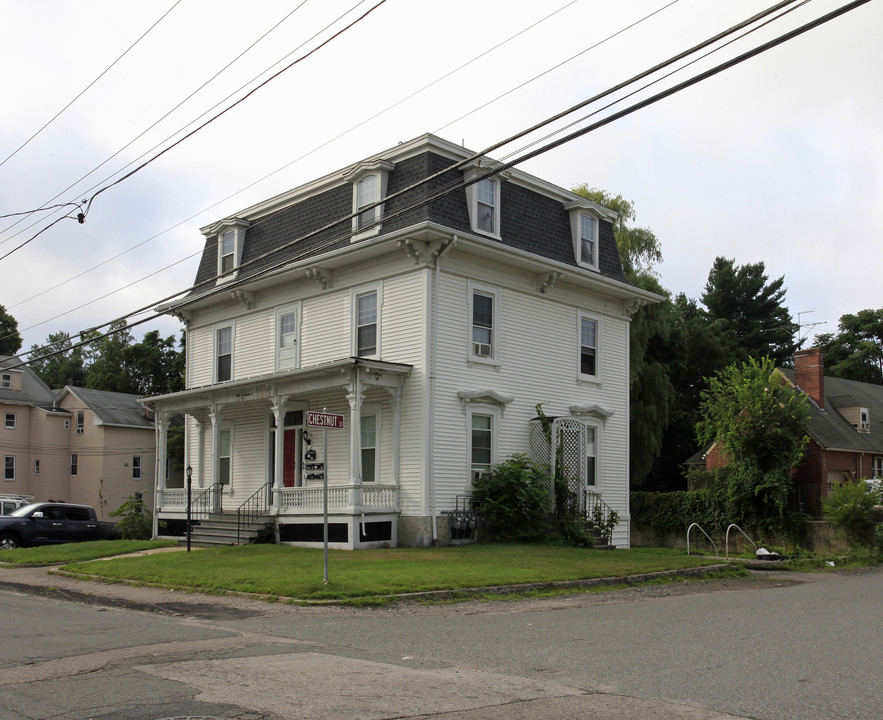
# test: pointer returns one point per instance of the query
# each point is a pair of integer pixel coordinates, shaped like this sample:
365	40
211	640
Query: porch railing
252	509
376	498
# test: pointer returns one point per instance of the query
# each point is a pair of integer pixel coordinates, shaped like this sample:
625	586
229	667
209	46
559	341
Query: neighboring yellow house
79	445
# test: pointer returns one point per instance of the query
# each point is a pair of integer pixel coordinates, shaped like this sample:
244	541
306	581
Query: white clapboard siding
200	346
254	344
325	328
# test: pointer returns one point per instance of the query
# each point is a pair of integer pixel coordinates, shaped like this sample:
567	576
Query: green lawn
297	573
76	552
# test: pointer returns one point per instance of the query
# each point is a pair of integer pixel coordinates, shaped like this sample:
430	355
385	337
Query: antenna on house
801	325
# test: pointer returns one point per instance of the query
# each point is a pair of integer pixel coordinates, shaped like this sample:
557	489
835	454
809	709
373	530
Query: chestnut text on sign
325	420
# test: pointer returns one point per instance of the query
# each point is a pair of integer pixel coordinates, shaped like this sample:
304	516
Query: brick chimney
809	374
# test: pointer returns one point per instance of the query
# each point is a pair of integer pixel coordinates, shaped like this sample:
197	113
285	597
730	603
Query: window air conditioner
864	426
481	349
79	431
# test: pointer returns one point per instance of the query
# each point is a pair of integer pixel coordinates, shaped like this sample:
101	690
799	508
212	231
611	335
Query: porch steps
220	529
596	533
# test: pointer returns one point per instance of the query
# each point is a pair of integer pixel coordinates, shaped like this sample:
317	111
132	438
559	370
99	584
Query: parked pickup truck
45	523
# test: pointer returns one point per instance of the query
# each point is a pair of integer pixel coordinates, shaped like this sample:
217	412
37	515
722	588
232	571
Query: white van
9	503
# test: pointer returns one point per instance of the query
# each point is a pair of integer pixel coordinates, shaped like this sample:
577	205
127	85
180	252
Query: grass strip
46	555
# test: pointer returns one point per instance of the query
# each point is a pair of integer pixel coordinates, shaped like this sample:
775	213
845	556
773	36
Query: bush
849	507
136	521
516	501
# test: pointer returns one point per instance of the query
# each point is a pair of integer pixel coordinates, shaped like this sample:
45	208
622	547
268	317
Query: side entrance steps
600	541
220	529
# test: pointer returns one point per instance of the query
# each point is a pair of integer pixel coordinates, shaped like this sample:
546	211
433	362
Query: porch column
215	417
161	425
355	398
396	403
200	445
278	408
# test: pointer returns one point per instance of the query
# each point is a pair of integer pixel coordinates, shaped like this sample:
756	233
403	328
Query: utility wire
158	121
80	94
343	134
706	43
497	168
82	216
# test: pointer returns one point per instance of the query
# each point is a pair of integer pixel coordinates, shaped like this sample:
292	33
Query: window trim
36	467
581	206
137	469
216	328
355	294
471	350
877	466
81	422
10	416
281	311
6	381
7	466
67	424
596	377
74	465
226	427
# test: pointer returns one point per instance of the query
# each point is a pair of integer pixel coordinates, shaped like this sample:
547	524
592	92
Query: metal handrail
716	551
727	546
207	502
253	508
599	511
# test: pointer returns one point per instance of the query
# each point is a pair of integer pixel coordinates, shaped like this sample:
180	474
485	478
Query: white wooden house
434	317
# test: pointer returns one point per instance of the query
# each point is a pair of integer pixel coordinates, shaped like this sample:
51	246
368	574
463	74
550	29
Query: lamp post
189	478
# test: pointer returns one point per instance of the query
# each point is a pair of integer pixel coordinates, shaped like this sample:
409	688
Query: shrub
516	500
136	521
849	507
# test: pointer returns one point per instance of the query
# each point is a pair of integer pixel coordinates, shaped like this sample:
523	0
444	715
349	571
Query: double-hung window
368	433
366	194
225	456
136	467
36	467
230	238
588	347
9	423
591	457
9	467
287	323
366	325
877	466
224	353
81	422
227	250
481	443
486	205
74	462
484	335
6	381
588	240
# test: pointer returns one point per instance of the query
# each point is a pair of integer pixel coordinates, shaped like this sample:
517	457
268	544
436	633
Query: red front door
289	459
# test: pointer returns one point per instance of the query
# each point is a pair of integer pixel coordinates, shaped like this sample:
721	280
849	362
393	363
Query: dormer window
6	381
864	420
483	197
369	182
585	224
230	237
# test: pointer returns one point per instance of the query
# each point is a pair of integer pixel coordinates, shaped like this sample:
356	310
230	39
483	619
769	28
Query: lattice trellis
570	435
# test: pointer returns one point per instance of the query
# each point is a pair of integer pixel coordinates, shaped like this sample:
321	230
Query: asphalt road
769	649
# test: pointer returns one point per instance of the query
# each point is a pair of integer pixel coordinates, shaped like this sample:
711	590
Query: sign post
335	422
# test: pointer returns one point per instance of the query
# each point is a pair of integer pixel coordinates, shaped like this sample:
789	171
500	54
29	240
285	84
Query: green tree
108	367
849	507
760	422
57	363
650	389
757	323
855	352
10	340
155	365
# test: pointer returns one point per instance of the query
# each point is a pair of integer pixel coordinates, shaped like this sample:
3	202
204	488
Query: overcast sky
777	160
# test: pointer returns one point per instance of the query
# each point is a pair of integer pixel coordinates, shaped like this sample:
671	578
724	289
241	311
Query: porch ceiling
338	373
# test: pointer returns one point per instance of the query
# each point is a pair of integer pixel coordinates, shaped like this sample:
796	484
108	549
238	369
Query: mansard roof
300	224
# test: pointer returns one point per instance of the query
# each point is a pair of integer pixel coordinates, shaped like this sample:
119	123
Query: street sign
325	420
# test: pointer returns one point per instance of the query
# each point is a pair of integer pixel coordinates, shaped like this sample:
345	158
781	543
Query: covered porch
253	459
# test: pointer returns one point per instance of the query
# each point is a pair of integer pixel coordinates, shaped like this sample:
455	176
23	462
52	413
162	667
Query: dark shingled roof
530	221
829	428
33	390
112	408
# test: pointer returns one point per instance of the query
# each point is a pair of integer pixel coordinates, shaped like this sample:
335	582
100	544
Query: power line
80	94
497	168
208	122
287	165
